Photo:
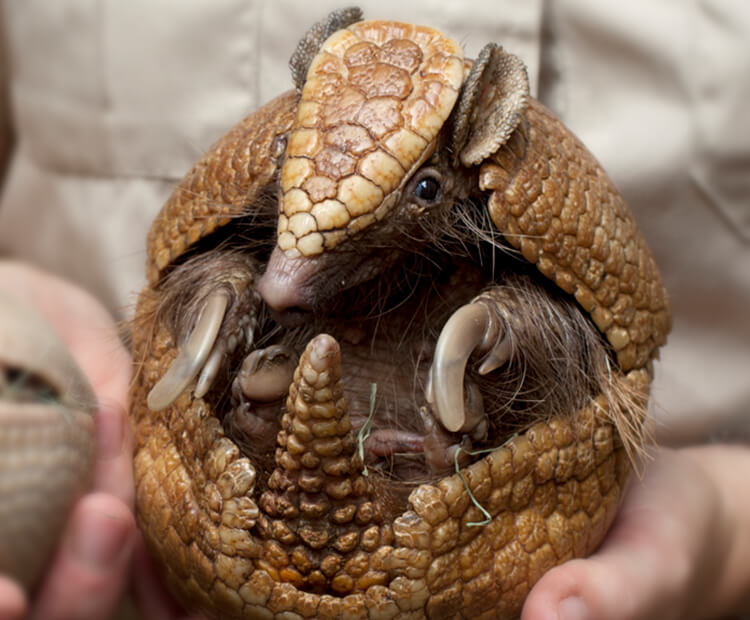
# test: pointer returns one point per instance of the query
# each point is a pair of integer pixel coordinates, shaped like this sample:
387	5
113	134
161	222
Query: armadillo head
375	98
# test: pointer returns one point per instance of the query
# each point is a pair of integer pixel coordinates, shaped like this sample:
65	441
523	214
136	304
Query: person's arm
90	569
678	549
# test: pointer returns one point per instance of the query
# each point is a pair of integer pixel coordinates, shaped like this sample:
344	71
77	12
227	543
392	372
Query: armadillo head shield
374	101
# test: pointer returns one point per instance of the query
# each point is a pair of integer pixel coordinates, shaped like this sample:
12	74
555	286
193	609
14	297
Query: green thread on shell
487	516
364	432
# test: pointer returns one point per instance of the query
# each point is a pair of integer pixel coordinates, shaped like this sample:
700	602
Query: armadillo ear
492	101
309	45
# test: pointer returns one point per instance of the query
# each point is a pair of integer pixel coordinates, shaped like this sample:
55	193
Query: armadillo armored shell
305	533
46	439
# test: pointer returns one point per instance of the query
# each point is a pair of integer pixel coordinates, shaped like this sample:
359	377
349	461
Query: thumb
658	561
617	586
89	572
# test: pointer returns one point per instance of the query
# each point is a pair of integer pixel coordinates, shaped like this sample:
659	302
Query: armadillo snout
285	284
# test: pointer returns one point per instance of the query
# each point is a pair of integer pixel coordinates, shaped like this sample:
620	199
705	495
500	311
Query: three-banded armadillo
396	343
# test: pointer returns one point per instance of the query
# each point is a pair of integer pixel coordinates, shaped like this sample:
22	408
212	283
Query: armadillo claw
210	369
266	374
193	356
473	329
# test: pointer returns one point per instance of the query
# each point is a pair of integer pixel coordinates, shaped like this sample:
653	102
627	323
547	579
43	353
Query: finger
153	600
113	472
629	577
92	337
90	571
654	562
596	588
13	604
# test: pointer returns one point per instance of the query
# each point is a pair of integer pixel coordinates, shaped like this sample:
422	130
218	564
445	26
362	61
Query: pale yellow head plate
376	96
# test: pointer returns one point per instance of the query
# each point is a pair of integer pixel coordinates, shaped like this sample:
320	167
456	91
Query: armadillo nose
284	282
276	295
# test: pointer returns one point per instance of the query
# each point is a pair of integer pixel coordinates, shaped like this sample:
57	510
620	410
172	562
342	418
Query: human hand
678	547
154	600
90	568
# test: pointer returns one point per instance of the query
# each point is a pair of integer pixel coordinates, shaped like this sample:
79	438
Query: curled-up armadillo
46	439
396	345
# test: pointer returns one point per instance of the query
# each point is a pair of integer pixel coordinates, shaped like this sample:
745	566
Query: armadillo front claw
473	329
198	353
210	369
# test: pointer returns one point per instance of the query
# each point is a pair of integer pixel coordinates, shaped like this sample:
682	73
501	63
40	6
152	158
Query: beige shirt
114	101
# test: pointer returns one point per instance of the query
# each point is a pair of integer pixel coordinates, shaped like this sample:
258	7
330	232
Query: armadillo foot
440	447
258	389
474	330
265	374
203	352
193	355
253	427
386	442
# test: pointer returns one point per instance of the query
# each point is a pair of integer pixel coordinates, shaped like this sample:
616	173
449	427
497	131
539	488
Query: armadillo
46	439
395	350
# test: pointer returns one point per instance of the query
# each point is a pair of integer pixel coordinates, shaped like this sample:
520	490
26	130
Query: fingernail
101	539
573	608
110	432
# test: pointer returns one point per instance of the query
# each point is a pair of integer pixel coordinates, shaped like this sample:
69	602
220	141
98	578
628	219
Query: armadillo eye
427	189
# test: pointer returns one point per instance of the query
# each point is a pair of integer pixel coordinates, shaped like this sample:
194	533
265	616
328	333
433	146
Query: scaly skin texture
552	493
556	205
316	537
222	183
46	439
395	85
